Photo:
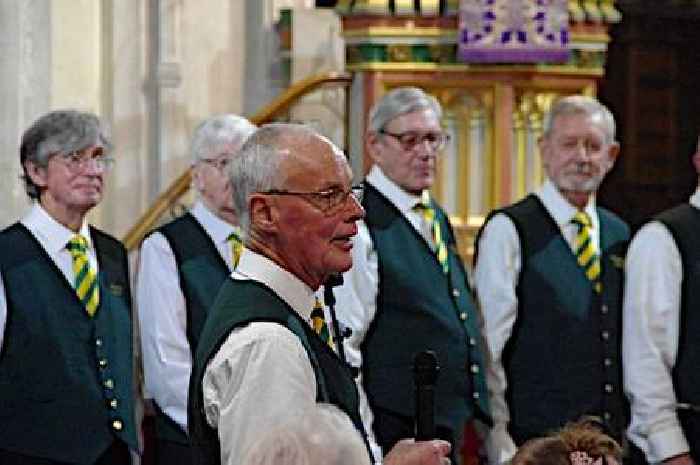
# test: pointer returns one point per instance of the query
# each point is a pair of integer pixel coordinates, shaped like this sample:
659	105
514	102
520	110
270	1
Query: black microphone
425	372
329	299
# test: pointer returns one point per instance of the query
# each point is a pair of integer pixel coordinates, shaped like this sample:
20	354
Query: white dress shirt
167	357
651	324
357	297
53	237
262	371
495	278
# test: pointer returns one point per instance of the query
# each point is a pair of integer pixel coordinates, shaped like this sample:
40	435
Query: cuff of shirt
666	444
500	446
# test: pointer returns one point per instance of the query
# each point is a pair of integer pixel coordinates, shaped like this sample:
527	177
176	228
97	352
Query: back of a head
321	436
579	443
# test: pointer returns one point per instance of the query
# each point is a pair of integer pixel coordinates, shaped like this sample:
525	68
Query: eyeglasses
220	164
327	201
79	160
410	139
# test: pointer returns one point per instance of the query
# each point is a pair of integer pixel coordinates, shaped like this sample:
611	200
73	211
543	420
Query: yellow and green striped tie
431	219
586	254
234	239
85	277
318	322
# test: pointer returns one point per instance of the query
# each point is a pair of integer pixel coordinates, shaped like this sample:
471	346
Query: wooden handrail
181	185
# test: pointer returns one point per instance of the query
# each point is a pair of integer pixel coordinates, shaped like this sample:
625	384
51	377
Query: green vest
238	304
201	271
563	358
420	308
65	378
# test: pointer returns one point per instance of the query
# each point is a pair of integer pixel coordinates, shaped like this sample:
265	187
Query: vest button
113	403
605	335
102	362
607	361
455	293
98	342
475	395
463	316
608	388
117	425
607	416
108	383
474	368
604	309
472	341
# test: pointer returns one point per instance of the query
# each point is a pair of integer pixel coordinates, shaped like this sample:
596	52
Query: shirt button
117	425
455	293
474	368
608	388
605	335
604	309
607	362
108	383
463	316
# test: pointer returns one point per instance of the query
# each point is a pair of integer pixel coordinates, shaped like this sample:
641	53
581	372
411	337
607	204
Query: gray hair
580	104
217	132
401	101
59	132
257	166
322	436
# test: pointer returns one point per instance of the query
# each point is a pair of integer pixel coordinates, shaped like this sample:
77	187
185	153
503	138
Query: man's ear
36	173
263	214
372	142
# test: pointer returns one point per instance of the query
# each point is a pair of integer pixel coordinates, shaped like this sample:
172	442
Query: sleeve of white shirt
260	374
167	358
356	307
495	277
651	311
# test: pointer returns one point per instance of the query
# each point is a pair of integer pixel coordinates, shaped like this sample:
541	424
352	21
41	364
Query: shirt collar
287	286
695	198
560	208
218	229
404	201
53	235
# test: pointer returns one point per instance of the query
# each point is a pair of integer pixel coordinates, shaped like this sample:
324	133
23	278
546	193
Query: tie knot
582	219
77	243
235	236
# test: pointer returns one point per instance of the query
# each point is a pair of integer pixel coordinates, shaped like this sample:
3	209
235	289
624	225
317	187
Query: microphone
425	372
329	299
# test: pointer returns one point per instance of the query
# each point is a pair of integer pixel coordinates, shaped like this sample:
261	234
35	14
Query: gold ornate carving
399	53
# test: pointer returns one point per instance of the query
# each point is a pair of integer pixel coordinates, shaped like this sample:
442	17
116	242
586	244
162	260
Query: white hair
217	133
401	101
580	104
323	435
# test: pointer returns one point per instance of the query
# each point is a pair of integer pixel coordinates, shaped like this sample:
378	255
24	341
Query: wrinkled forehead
316	161
579	121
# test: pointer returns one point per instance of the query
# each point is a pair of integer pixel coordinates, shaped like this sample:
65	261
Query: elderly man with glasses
407	291
259	359
182	266
65	308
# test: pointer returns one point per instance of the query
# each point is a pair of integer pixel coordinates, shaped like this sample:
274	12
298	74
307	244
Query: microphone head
425	368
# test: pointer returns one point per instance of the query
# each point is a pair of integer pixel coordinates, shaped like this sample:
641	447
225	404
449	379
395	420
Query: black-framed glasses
410	139
79	160
221	163
326	200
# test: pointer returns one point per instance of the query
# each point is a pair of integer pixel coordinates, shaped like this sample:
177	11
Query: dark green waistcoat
238	304
684	224
563	357
65	378
420	308
201	271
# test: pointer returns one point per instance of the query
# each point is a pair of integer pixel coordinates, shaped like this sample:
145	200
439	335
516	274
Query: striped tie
236	243
85	280
585	251
318	322
431	219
